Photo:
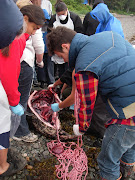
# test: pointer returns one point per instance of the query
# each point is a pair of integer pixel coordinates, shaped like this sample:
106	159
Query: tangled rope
71	157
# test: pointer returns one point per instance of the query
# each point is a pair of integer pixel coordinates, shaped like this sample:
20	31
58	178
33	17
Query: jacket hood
96	2
11	22
101	13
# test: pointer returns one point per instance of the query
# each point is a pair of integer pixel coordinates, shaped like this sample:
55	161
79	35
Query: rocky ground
40	163
128	24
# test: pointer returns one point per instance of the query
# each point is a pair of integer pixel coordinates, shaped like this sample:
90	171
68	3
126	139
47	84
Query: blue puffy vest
112	59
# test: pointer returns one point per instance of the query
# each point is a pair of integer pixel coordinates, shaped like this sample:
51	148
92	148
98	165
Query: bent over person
103	63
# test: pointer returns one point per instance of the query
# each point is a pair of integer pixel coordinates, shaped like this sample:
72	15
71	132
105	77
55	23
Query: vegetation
119	6
127	6
75	6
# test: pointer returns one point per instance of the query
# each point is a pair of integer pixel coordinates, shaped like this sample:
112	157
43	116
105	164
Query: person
100	115
103	62
90	24
46	4
45	74
67	91
63	17
34	45
86	2
11	49
66	82
107	22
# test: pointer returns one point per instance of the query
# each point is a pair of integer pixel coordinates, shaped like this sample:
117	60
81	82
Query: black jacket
90	24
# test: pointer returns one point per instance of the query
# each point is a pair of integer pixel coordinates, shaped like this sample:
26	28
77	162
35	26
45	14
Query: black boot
128	172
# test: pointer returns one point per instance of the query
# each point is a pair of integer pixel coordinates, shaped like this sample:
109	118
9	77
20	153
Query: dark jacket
112	59
67	77
90	24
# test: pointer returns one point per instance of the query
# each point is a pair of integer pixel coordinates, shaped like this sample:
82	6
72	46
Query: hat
11	21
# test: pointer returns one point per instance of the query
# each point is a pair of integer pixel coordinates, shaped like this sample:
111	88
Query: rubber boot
128	172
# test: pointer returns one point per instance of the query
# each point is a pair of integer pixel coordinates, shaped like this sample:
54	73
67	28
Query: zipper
111	106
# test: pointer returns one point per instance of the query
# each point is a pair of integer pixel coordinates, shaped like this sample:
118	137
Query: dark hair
96	2
34	13
60	6
5	51
57	37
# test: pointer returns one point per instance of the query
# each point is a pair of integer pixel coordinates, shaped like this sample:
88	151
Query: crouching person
103	62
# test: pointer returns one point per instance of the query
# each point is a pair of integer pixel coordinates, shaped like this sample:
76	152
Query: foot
29	138
2	170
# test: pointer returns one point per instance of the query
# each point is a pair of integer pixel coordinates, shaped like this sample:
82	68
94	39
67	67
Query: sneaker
29	138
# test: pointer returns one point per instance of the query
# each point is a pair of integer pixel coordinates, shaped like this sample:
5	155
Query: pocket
128	139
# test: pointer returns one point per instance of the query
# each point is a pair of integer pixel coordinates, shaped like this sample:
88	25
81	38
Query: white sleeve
37	42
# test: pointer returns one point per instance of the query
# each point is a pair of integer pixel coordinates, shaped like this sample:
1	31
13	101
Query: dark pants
46	74
25	82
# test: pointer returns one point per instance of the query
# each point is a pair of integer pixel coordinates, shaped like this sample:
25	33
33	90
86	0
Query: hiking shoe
29	138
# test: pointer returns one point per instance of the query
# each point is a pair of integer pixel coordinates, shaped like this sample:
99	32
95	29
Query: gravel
128	24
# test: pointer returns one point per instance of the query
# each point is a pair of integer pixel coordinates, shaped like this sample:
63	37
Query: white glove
40	64
76	130
51	86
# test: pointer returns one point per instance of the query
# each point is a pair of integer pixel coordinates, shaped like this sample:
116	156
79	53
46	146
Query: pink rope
71	157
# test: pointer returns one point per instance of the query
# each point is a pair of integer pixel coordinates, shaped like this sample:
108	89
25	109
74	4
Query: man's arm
87	86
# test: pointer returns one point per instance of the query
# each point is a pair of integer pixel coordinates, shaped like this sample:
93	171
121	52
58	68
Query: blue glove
19	110
71	107
55	107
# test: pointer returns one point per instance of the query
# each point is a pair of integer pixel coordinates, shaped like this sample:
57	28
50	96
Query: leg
25	81
4	145
4	165
114	146
127	162
50	70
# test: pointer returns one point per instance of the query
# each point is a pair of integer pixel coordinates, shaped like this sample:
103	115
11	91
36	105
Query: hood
11	21
101	13
96	2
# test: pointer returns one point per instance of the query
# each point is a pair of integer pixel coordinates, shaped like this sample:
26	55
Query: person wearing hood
107	22
90	24
66	18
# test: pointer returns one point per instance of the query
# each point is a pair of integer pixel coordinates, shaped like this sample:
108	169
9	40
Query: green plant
74	6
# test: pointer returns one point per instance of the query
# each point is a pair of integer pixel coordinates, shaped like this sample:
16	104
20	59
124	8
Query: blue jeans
25	82
118	143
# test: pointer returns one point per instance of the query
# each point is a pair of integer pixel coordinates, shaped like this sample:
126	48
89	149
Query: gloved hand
19	110
76	130
55	107
51	86
41	64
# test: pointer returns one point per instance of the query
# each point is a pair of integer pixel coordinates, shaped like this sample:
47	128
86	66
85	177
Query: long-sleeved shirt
87	87
35	45
10	69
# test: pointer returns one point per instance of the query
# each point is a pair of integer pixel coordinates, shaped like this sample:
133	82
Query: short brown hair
57	37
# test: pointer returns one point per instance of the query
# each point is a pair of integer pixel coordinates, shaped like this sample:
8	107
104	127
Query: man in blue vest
105	63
